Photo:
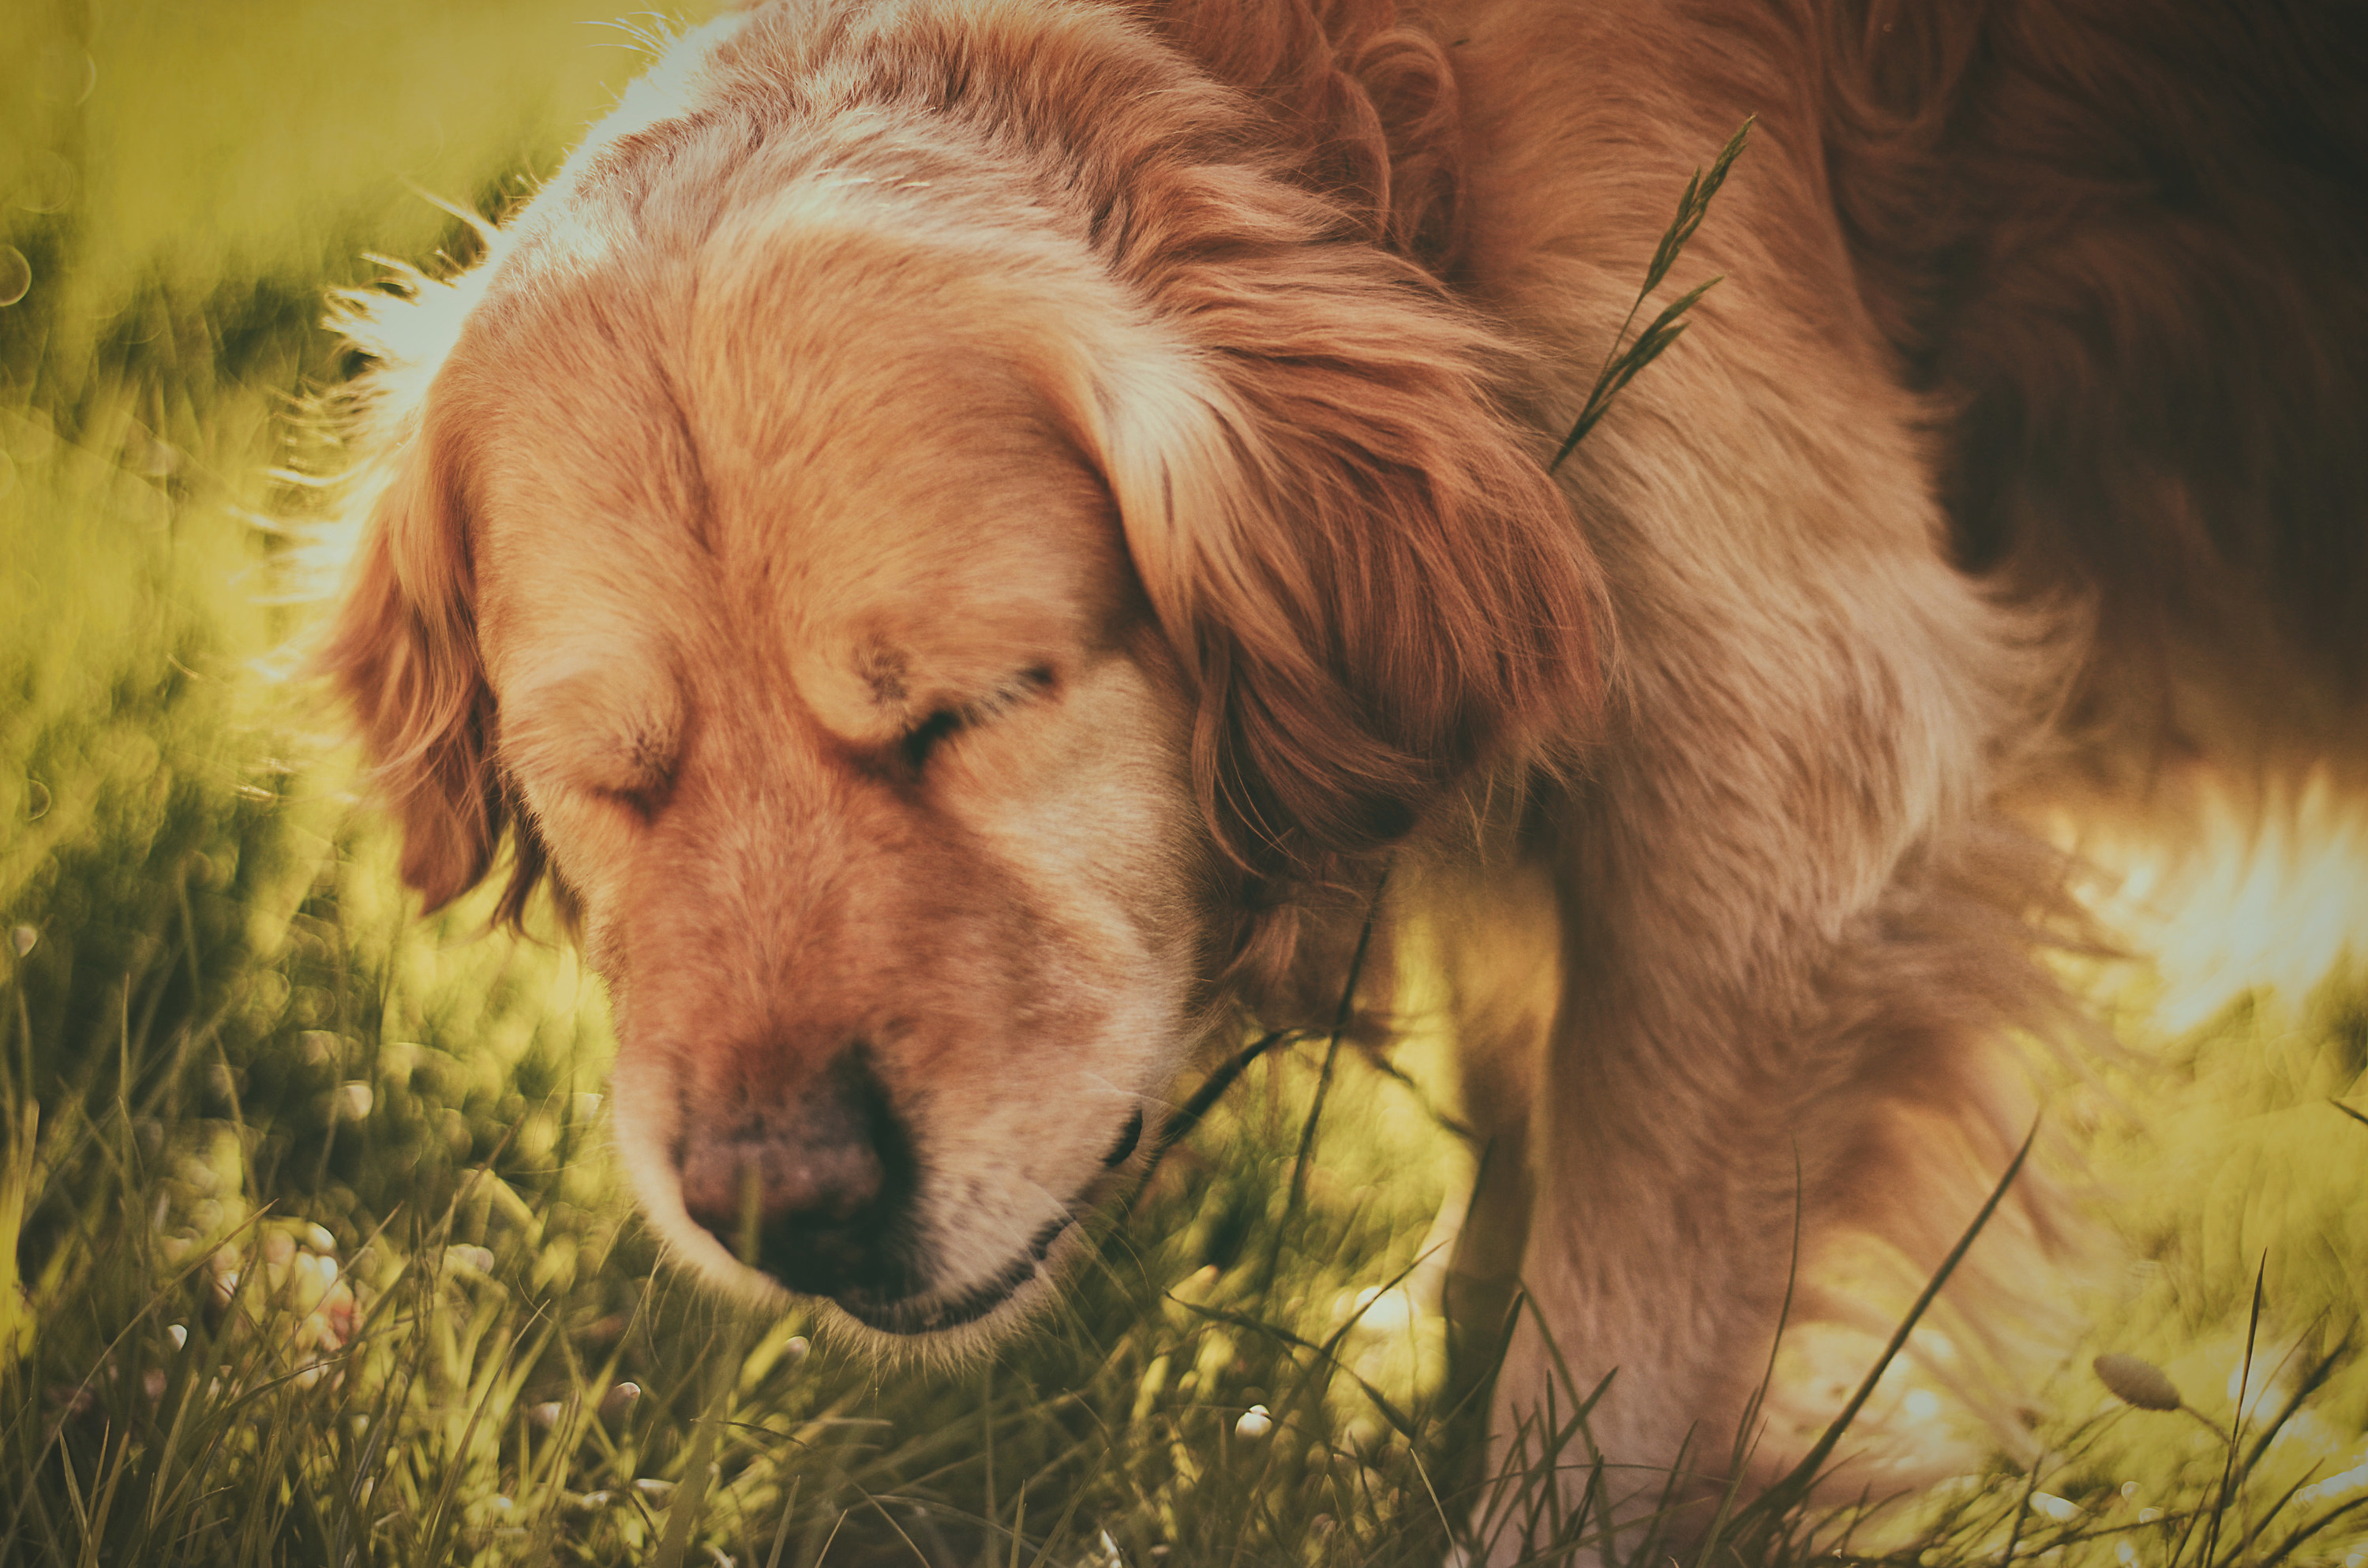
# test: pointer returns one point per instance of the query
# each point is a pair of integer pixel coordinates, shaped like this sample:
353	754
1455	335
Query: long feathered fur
2012	466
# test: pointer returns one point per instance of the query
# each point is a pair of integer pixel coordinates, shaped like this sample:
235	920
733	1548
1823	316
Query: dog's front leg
1497	926
1794	775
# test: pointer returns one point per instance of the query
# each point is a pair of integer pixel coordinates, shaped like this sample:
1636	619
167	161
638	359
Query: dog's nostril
813	1187
1127	1140
816	1176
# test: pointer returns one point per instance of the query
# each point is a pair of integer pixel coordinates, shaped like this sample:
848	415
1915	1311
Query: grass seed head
2135	1381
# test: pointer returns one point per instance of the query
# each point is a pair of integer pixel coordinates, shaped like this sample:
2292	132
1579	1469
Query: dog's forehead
818	461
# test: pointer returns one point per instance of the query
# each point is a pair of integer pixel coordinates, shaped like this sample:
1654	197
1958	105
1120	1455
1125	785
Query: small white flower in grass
22	939
2060	1510
545	1416
2125	1553
318	1238
1110	1557
619	1399
2148	1516
354	1100
795	1350
179	1335
1255	1423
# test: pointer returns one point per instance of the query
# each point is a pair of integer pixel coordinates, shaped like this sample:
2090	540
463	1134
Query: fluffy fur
961	535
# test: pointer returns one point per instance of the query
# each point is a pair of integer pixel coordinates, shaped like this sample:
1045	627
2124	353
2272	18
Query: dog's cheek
590	843
645	1121
1091	819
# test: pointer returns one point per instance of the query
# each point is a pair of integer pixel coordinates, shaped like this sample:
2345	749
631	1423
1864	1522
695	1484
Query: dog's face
818	667
864	760
923	669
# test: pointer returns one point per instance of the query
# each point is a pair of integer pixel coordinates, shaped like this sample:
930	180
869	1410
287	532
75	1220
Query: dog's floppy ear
403	652
1375	583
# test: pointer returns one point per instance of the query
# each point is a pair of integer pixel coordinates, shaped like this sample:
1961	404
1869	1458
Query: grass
316	1250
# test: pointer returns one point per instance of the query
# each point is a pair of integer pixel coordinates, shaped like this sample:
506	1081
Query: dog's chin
954	1319
966	1307
956	1322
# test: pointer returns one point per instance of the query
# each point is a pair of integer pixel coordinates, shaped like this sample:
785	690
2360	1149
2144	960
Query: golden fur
960	535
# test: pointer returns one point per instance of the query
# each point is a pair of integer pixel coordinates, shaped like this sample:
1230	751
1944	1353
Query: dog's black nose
820	1183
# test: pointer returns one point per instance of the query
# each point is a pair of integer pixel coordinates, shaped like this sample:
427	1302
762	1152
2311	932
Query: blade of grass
1212	1089
1795	1484
2022	1512
2322	1366
1299	1164
690	1492
2302	1532
2236	1425
1621	367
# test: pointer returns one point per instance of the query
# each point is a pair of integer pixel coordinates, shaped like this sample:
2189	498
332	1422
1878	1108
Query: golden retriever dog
961	538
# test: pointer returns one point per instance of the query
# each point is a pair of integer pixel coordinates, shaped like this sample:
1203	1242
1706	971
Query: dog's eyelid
1036	680
923	737
643	802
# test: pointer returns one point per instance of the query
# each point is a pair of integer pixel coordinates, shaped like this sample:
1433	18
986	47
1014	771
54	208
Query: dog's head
925	638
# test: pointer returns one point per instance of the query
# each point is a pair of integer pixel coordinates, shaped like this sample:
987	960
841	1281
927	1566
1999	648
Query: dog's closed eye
923	738
643	801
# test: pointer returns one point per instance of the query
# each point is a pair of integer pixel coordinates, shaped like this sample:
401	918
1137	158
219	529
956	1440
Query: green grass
317	1251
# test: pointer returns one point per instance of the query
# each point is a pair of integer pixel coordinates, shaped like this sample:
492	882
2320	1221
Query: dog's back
2122	246
2014	464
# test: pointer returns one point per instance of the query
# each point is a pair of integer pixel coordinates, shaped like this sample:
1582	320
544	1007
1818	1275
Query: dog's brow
883	668
903	685
588	728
